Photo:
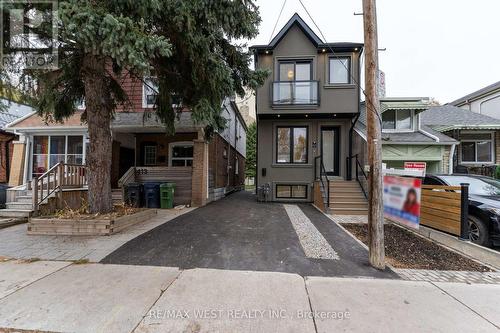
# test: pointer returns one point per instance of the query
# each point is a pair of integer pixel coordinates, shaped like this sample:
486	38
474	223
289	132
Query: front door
330	150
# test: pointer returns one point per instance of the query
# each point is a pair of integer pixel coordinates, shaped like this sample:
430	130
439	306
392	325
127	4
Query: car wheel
478	231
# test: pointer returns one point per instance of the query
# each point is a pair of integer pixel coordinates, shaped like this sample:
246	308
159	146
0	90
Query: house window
149	155
477	147
339	70
294	84
50	150
291	191
236	166
149	92
291	145
181	154
397	120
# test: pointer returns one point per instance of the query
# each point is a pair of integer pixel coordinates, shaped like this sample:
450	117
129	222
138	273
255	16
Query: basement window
291	191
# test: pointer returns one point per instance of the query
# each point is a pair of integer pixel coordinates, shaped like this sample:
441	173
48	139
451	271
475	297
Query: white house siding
488	105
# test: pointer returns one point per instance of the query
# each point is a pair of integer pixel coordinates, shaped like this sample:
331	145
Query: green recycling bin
167	195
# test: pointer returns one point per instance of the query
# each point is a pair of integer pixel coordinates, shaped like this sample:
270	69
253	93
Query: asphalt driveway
238	233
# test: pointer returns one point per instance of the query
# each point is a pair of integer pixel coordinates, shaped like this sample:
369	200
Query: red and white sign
416	166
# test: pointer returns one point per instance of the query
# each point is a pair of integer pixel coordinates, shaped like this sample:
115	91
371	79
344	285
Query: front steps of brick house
347	198
19	204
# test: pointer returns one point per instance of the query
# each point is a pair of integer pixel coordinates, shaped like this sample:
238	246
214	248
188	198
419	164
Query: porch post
199	180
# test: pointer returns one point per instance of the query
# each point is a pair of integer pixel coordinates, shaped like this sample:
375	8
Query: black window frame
292	144
295	62
349	70
291	191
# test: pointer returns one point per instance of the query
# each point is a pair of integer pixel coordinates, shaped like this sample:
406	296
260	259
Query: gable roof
309	33
484	91
13	111
449	117
296	19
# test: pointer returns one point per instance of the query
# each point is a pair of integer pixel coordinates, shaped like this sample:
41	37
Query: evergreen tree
251	160
189	45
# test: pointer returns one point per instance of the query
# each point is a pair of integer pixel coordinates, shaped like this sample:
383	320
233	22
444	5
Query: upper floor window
149	92
397	120
291	144
295	85
299	70
477	147
339	70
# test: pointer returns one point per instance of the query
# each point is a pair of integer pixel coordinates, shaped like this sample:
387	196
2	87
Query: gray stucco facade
329	108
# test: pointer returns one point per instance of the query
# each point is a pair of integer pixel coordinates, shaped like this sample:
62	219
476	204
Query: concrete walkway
239	233
15	243
62	297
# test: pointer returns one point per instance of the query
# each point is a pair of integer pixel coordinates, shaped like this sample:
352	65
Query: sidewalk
62	297
15	243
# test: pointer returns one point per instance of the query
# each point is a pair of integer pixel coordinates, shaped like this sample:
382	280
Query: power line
367	101
276	24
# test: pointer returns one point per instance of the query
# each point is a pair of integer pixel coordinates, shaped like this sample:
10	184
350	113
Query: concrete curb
475	252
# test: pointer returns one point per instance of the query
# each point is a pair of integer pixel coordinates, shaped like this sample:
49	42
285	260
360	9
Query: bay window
291	144
477	147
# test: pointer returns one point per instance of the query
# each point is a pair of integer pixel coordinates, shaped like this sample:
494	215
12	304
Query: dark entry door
330	150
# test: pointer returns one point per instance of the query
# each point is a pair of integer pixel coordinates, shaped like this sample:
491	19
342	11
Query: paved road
238	233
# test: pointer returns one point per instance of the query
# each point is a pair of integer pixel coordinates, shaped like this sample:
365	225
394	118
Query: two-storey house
202	169
305	110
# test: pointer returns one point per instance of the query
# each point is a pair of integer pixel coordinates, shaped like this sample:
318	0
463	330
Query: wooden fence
442	208
181	176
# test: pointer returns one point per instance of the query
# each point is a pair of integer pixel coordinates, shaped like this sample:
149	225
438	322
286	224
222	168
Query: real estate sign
402	200
416	166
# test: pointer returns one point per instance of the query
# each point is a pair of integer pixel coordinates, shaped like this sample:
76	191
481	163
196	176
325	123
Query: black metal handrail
359	168
322	172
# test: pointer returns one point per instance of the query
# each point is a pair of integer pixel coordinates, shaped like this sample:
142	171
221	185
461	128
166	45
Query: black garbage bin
3	195
133	194
152	195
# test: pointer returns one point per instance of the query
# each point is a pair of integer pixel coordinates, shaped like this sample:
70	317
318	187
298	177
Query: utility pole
375	204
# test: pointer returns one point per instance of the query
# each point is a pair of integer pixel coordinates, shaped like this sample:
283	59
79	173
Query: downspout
351	132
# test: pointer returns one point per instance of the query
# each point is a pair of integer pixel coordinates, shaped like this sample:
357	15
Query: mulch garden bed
404	249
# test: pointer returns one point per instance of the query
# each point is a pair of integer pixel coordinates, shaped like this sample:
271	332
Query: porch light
307	115
267	52
279	115
290	74
324	50
356	49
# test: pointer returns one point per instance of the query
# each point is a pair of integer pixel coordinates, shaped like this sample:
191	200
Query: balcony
295	93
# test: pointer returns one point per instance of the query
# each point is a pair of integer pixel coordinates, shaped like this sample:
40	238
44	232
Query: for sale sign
416	166
402	200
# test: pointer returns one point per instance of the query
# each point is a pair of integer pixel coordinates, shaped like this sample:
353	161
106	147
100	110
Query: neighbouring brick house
8	113
203	170
478	137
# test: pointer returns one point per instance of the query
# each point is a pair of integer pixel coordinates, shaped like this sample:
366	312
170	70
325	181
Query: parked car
484	204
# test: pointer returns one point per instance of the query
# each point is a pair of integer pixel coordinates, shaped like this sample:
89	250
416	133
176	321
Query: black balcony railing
295	93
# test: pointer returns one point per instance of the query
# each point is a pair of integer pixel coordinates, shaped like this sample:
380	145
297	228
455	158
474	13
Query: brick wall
445	163
200	170
221	154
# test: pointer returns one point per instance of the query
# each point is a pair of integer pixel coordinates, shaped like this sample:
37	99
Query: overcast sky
435	48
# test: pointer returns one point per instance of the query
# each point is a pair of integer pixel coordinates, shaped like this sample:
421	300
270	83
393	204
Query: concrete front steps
347	198
20	207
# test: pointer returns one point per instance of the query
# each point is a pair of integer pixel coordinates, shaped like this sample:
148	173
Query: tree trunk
100	146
